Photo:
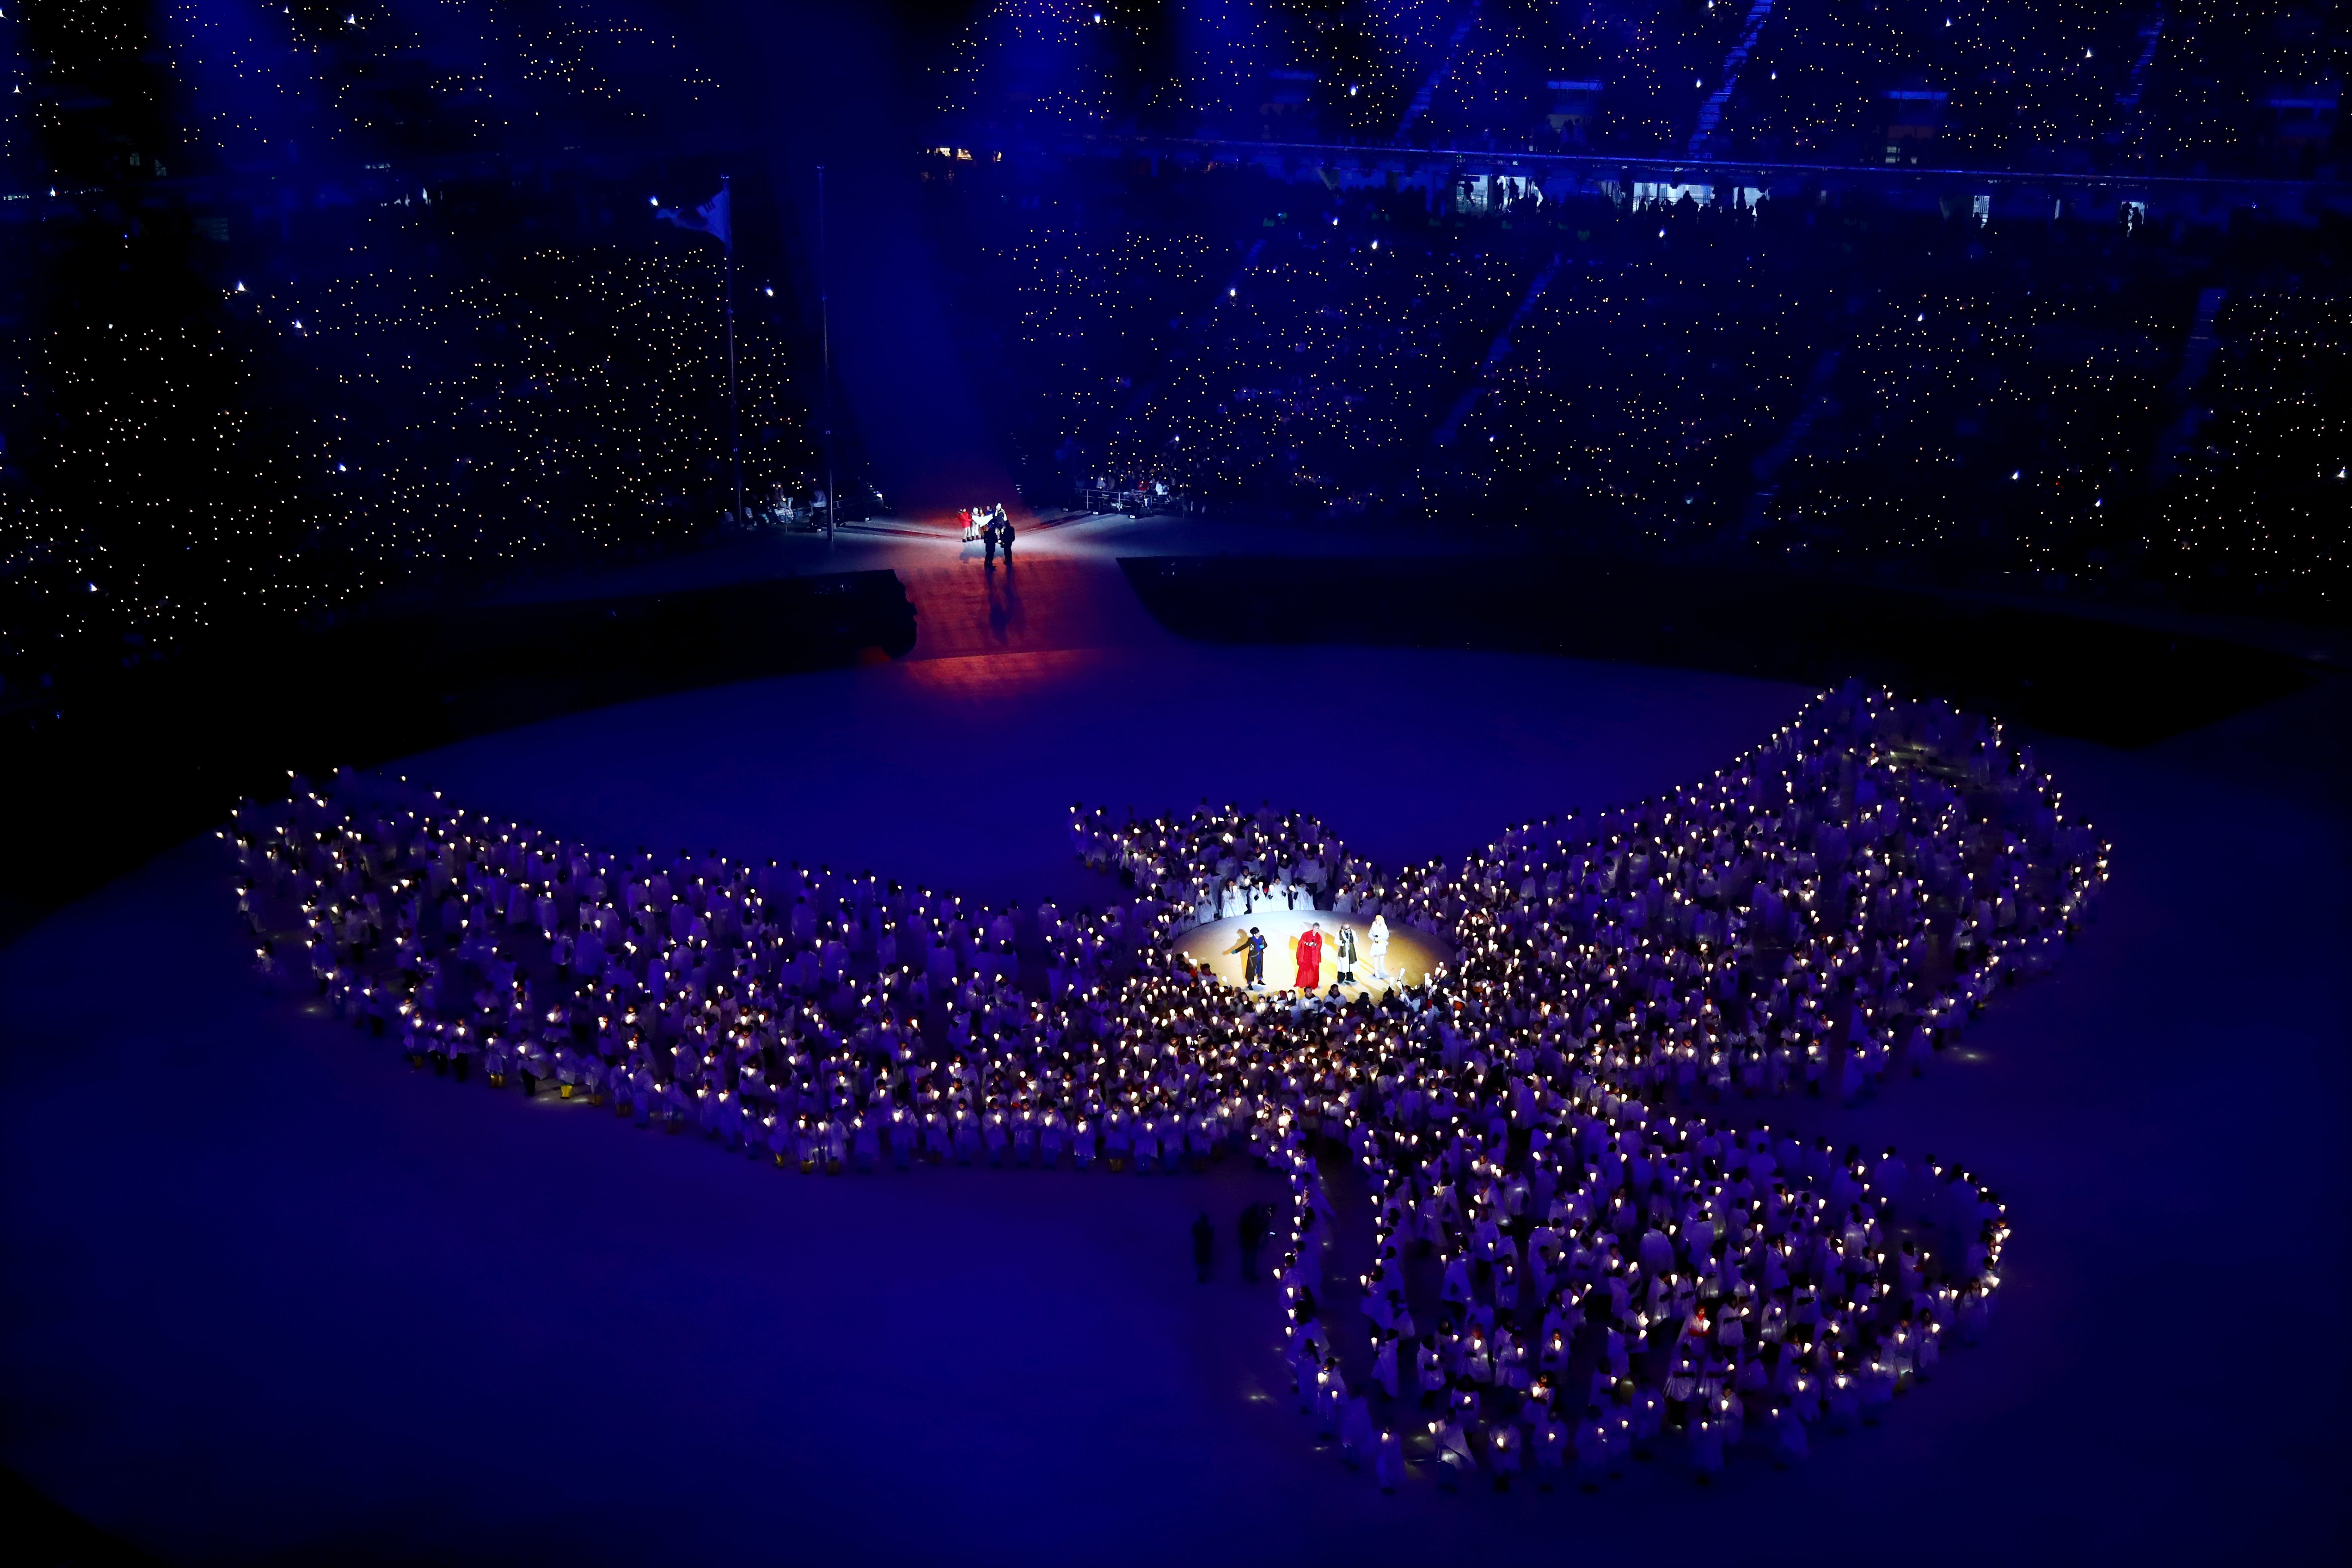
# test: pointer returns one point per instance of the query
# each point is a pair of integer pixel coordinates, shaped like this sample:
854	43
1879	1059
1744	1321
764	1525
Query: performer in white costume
1377	939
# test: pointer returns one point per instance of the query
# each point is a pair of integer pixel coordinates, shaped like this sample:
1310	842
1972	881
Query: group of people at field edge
991	526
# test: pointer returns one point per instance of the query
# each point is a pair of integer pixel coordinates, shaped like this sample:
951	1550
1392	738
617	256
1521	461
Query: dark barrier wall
105	780
2103	680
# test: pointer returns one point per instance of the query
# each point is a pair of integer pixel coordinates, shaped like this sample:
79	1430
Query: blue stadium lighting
998	314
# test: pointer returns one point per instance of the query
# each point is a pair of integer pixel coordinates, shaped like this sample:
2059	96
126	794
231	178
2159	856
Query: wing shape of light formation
1582	1232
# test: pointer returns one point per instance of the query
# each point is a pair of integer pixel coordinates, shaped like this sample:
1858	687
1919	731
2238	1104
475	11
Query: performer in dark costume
1345	947
1253	966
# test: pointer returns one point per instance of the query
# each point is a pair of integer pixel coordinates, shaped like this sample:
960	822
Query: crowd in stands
1800	378
416	426
366	380
334	358
2199	86
1566	1239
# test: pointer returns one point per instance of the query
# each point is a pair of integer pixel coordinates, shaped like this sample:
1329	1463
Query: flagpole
824	345
734	420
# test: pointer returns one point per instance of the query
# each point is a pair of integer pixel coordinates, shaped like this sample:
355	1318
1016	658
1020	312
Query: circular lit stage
1411	955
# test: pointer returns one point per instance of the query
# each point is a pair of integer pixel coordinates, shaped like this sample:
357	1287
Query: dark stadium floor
269	1295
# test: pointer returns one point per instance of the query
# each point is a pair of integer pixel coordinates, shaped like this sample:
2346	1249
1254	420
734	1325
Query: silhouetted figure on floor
1204	1245
1253	1236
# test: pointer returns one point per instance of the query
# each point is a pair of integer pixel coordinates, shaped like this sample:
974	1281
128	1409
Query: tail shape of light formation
1572	1249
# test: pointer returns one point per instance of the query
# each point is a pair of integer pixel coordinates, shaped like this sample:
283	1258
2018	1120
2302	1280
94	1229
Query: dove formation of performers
1573	1256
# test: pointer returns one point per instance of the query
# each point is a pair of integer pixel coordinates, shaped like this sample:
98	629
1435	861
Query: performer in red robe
1310	959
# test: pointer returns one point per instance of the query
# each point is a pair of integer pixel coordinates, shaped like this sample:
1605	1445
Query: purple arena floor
271	1295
